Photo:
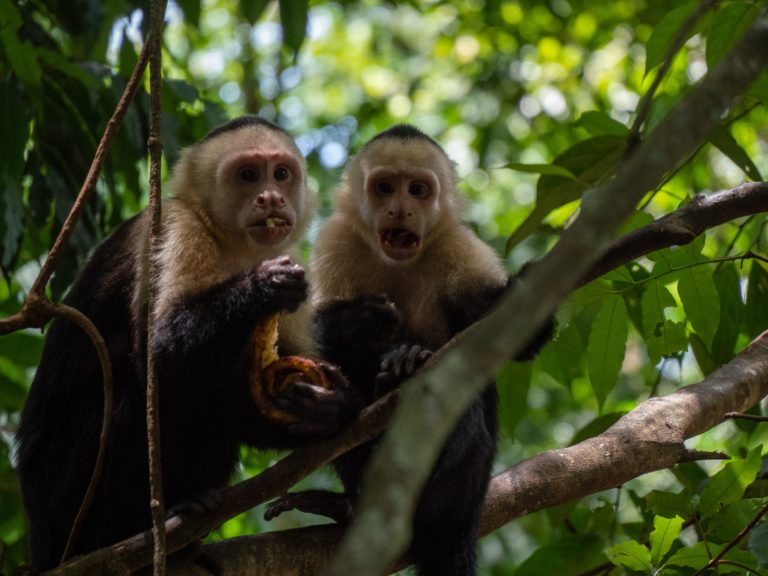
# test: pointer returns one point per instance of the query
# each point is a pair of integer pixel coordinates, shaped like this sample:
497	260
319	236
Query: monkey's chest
424	322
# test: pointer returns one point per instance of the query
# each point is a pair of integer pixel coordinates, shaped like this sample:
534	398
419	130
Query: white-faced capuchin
239	205
396	275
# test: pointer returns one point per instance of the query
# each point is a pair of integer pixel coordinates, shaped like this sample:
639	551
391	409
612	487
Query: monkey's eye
282	173
384	188
418	189
248	174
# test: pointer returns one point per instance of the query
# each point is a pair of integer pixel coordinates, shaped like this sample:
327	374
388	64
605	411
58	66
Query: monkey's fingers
333	374
334	505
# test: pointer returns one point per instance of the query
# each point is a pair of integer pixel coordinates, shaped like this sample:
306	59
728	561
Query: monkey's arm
472	306
218	322
353	334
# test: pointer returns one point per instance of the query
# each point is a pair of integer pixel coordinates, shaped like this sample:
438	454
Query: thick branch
684	225
394	477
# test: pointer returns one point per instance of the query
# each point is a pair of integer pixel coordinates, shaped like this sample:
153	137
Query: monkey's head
251	178
400	192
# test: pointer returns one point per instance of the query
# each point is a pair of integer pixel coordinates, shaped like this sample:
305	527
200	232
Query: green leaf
731	520
607	343
599	123
758	543
513	382
665	532
23	348
551	169
569	556
756	311
701	301
253	9
191	9
656	298
728	282
631	554
728	25
728	485
669	504
670	341
702	355
293	17
695	556
587	161
561	357
725	142
664	33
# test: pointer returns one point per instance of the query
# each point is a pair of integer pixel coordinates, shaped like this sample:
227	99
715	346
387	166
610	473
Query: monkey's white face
404	205
262	192
403	188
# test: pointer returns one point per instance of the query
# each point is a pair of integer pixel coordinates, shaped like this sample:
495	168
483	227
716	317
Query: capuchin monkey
396	275
240	203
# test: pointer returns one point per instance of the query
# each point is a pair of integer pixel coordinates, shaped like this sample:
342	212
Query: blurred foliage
535	102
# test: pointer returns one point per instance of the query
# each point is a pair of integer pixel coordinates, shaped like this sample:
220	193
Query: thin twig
742	416
74	315
157	501
739	537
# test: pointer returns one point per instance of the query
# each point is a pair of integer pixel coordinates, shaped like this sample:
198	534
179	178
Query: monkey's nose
270	198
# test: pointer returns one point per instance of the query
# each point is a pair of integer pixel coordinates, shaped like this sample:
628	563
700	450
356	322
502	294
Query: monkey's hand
367	322
319	410
307	397
283	281
334	505
399	364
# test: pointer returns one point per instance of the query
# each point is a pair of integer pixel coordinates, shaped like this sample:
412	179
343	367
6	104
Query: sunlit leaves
600	123
584	164
607	343
631	555
665	532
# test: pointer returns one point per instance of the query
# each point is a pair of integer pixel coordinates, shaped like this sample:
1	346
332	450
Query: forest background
536	102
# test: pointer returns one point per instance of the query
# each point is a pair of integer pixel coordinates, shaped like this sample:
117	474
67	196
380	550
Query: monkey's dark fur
201	352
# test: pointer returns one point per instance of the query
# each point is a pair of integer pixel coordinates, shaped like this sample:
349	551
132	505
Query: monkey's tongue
399	238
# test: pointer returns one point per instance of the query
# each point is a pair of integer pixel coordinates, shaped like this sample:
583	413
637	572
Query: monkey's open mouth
273	222
271	230
399	242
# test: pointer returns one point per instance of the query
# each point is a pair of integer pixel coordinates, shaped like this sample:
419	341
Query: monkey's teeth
273	221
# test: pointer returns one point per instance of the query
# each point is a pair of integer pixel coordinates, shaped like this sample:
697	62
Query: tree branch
155	145
684	225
